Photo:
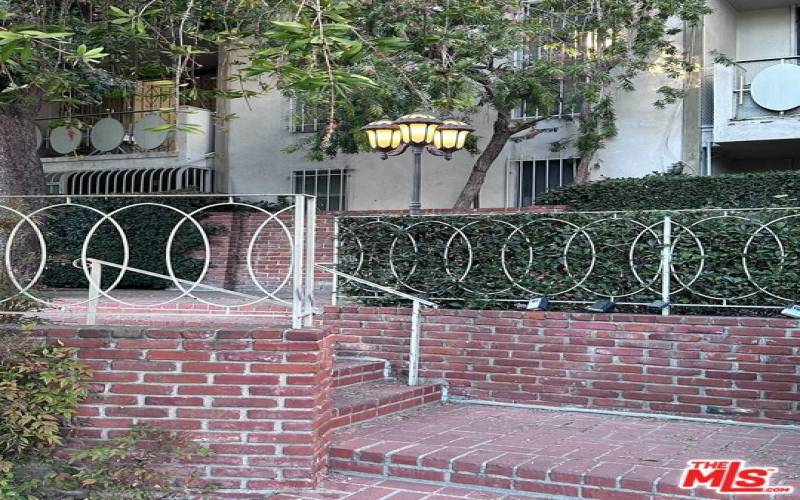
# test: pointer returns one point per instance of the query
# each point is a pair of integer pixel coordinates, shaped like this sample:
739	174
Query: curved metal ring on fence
357	269
250	267
7	258
249	252
444	256
361	249
645	227
184	293
746	251
577	231
492	221
717	217
119	229
674	271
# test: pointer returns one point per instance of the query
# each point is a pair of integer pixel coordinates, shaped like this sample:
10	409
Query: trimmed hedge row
673	192
499	261
147	229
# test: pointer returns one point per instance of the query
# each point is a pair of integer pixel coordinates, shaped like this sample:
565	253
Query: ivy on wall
498	261
663	192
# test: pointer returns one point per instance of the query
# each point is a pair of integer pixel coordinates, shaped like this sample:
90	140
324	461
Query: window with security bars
537	176
561	43
329	186
305	118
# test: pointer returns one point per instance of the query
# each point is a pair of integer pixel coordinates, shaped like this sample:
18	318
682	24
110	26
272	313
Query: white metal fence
707	259
281	224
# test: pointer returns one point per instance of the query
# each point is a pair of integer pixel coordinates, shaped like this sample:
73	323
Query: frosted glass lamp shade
383	135
418	129
451	136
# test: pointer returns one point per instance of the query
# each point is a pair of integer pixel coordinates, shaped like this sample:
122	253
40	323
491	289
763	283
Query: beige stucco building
730	121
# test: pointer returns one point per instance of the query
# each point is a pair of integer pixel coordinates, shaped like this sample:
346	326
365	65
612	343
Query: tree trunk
502	133
21	169
21	173
584	169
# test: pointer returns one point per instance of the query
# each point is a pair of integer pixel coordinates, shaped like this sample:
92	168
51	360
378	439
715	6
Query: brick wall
744	368
259	399
271	254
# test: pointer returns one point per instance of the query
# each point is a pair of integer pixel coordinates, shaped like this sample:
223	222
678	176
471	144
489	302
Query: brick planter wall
743	368
259	399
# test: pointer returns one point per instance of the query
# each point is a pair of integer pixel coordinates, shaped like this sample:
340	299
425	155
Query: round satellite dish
777	88
146	138
65	140
39	137
107	134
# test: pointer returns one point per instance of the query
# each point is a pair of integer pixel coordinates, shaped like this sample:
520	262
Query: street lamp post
420	132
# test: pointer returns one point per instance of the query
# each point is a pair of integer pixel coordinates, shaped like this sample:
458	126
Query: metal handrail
416	318
379	287
96	268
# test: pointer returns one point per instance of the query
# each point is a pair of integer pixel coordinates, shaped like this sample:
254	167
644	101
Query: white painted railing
288	227
416	317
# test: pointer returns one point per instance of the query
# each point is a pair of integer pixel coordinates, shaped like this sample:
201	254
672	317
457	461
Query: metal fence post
95	282
413	355
335	278
311	248
298	294
666	265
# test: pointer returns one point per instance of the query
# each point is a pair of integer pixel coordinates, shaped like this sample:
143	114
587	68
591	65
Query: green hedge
432	255
664	192
147	230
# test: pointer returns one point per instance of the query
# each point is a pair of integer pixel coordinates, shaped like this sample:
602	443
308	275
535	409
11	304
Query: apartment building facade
736	118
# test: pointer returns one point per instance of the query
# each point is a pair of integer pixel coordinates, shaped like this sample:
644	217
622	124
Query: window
537	176
560	43
329	186
305	119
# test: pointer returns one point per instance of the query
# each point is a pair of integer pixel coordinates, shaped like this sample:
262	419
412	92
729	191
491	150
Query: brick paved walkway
365	488
556	453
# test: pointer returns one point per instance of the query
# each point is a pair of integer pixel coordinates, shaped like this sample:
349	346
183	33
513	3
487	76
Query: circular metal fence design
715	258
270	281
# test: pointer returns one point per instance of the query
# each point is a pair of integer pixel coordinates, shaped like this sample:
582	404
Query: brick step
356	403
352	371
546	477
548	453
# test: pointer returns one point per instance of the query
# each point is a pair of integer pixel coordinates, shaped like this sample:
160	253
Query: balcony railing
745	107
107	133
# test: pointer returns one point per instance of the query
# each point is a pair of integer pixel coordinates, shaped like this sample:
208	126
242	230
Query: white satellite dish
149	139
65	140
777	88
39	137
107	134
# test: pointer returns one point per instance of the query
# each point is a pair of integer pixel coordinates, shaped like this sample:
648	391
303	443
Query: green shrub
672	192
500	261
147	229
40	388
137	466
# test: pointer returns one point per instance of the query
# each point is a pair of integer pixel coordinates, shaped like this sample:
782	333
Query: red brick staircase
364	389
